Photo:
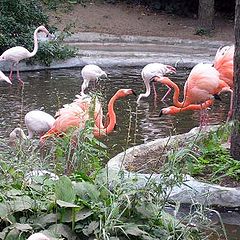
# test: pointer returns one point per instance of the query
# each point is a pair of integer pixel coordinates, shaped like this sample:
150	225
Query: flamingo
172	110
149	72
89	73
37	122
84	104
203	84
75	116
3	77
18	53
38	236
223	62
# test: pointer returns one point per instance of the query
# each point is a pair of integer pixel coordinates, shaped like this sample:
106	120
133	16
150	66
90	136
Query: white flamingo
150	71
89	73
3	77
18	53
38	236
37	122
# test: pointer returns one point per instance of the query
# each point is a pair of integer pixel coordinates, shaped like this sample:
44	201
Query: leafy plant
212	160
19	19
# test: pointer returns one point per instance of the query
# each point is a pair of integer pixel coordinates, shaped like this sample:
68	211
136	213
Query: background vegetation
19	19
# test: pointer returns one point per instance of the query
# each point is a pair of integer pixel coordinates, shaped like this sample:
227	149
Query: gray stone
191	191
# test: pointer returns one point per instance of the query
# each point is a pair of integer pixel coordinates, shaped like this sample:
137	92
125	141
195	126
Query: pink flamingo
75	116
149	72
223	62
18	53
203	84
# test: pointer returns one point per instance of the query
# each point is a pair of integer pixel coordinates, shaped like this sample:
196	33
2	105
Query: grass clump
212	160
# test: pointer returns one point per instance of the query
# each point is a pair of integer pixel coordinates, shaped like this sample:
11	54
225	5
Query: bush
19	19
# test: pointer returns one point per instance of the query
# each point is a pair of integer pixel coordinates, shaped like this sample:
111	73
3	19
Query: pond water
135	125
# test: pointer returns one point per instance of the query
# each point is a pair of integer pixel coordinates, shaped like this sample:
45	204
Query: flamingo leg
11	72
230	108
168	91
204	120
18	76
154	90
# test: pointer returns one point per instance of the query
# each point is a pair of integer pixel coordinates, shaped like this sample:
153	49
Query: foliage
187	8
90	202
53	50
19	19
212	160
202	32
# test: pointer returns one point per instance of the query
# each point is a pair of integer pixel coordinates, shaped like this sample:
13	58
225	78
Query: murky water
135	125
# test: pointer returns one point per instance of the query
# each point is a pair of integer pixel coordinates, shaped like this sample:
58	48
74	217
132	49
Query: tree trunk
206	14
235	138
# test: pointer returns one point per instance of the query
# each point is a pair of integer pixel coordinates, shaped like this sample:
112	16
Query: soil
125	19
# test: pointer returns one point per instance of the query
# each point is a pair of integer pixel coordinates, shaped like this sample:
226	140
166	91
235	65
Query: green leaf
44	220
66	204
12	235
14	192
147	210
87	191
63	231
64	190
134	230
22	227
3	210
20	204
81	215
91	228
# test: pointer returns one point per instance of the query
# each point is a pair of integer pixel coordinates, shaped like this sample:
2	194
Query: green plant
19	19
202	32
212	160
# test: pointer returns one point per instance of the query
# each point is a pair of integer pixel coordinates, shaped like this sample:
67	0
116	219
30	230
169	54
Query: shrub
19	19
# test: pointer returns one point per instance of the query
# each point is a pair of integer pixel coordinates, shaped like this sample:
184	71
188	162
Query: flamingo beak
51	36
7	80
160	114
171	69
3	77
134	93
217	97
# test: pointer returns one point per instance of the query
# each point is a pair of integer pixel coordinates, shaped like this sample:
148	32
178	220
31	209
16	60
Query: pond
135	124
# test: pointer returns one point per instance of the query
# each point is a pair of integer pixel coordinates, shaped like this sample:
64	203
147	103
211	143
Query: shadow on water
49	90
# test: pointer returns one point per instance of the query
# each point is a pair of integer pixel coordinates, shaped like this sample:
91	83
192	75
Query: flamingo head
125	92
170	69
103	75
43	29
168	111
4	78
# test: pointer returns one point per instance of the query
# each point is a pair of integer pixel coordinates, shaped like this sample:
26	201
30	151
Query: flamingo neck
111	119
191	107
35	49
147	93
17	133
171	84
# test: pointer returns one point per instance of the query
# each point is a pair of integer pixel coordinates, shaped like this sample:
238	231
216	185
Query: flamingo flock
204	85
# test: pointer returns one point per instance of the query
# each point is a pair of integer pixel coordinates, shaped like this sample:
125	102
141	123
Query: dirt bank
123	19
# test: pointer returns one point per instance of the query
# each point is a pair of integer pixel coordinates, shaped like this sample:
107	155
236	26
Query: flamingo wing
15	54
